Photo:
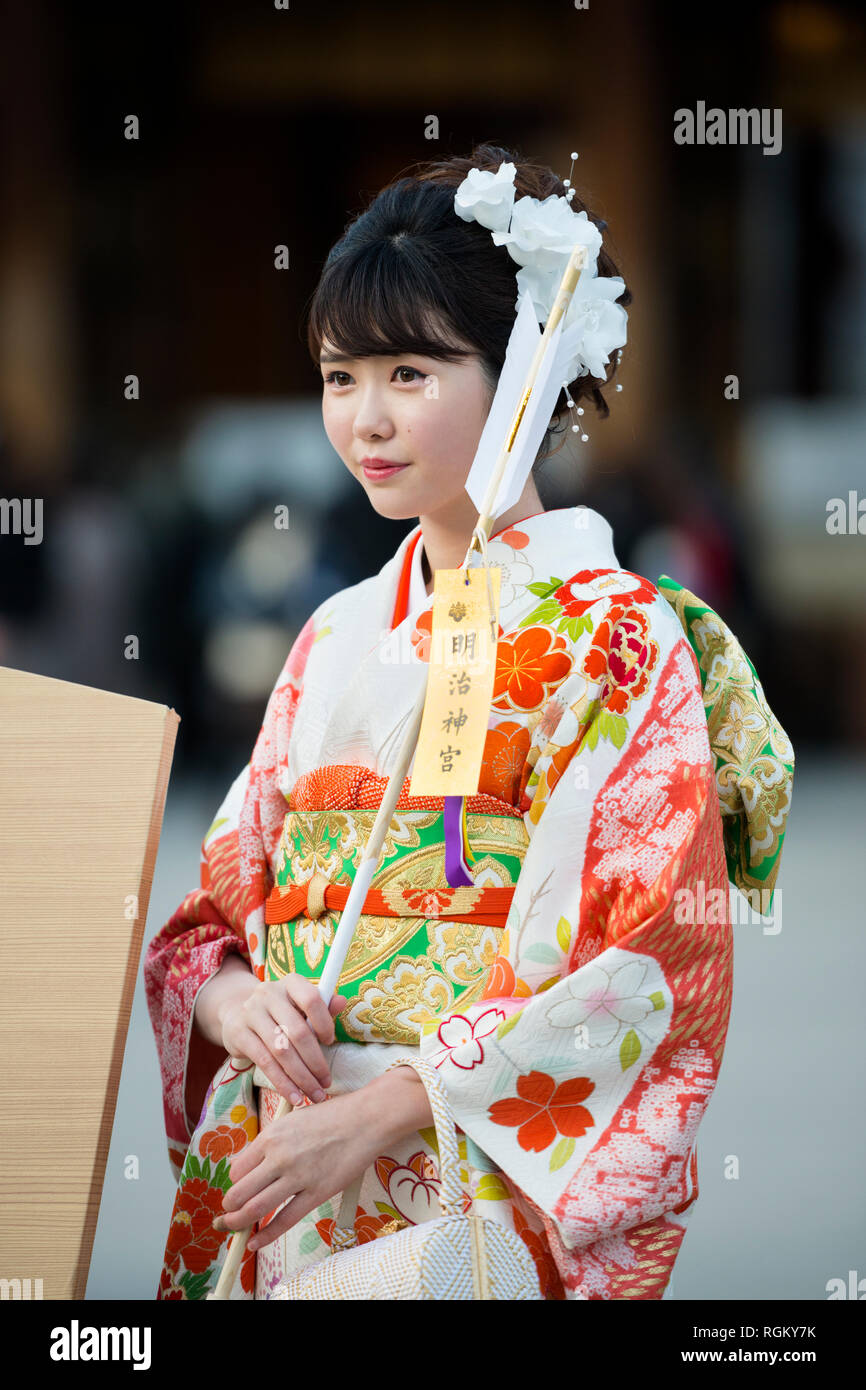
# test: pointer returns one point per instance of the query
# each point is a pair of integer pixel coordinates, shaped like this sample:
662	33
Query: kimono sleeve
585	1069
220	915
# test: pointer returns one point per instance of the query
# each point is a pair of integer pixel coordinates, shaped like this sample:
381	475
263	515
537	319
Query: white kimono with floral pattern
580	1078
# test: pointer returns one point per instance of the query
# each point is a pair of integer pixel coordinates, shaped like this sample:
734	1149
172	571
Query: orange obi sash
487	906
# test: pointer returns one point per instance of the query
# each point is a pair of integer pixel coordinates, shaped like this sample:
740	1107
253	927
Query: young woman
573	1005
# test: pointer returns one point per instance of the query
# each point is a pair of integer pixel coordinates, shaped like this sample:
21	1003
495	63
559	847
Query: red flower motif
505	751
528	667
426	902
224	1140
191	1234
422	634
545	1265
641	591
621	658
513	537
576	607
544	1110
248	1268
168	1290
412	1187
367	1226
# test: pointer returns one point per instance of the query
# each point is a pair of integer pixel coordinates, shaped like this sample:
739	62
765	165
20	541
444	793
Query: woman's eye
414	374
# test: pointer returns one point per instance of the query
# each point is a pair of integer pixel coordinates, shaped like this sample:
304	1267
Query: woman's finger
260	1203
282	1063
251	1044
300	1036
304	1082
306	997
246	1159
294	1211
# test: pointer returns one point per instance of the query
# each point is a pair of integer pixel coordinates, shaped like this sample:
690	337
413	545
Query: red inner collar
401	607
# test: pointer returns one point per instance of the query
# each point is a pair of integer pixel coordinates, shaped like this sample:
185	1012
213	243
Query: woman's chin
388	504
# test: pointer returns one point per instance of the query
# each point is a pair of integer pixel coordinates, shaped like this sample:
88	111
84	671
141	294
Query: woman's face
411	410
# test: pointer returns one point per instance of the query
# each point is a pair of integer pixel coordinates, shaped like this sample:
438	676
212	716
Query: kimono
575	999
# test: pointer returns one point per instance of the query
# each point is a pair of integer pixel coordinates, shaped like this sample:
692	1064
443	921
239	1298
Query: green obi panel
400	971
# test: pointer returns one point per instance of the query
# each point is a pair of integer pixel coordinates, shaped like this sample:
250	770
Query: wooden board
83	780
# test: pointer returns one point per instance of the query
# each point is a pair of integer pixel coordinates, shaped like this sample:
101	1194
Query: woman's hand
317	1151
280	1025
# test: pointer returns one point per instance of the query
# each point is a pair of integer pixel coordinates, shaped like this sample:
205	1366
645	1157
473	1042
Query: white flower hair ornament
540	235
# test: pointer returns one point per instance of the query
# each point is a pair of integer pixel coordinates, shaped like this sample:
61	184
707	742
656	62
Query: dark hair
409	275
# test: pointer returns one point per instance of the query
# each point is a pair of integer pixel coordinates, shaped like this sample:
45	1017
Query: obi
421	947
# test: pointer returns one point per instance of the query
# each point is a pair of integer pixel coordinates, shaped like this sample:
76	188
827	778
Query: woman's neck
444	544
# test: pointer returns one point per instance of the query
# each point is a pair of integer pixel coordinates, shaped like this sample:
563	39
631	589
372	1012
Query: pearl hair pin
570	403
570	192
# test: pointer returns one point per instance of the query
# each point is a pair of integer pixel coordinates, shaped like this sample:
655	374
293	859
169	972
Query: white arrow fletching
521	349
552	370
536	418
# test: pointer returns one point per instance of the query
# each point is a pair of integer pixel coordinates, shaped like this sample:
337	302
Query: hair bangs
382	300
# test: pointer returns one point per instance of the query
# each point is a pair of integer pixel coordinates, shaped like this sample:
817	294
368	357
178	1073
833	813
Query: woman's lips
383	471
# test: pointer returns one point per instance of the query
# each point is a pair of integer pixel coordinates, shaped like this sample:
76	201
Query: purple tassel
455	868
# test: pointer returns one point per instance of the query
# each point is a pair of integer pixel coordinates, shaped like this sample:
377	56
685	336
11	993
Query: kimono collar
593	549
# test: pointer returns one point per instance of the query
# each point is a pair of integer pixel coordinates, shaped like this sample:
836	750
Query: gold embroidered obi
421	947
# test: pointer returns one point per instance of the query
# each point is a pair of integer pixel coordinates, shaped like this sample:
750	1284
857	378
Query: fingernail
318	1095
219	1223
295	1097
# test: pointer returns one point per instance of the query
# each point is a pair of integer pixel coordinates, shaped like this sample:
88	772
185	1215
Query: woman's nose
371	417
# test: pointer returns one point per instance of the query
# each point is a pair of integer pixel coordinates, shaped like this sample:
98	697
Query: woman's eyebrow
340	357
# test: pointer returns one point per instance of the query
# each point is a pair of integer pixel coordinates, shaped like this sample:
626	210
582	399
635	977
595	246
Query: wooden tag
459	684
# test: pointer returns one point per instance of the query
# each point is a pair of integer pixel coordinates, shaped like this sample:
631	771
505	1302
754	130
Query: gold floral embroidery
429	902
281	959
723	661
408	823
780	744
375	940
325	840
489	872
737	727
393	1007
766	794
753	754
464	950
313	935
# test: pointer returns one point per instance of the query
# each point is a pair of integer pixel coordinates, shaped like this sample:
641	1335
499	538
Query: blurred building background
258	127
155	257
